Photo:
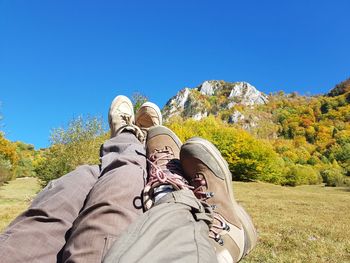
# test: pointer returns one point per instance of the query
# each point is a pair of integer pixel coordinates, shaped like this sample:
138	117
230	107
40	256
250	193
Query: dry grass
301	224
15	196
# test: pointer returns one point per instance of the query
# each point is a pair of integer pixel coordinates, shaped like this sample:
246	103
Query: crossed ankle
131	128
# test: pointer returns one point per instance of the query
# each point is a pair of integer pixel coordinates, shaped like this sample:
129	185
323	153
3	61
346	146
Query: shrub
334	177
26	154
301	174
5	171
76	145
8	159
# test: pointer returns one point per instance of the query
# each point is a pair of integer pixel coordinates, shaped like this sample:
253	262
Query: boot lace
219	224
164	170
126	120
216	228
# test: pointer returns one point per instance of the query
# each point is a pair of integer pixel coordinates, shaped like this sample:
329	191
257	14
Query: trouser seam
195	240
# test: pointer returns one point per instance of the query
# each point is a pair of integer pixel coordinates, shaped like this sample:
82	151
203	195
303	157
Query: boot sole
116	102
153	106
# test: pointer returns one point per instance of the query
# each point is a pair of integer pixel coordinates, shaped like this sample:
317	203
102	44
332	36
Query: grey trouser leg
39	233
175	230
112	204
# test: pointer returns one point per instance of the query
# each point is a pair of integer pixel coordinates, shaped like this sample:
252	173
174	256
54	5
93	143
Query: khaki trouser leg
38	234
175	230
113	203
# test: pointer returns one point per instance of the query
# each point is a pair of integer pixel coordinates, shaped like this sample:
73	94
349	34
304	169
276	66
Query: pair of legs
78	217
191	214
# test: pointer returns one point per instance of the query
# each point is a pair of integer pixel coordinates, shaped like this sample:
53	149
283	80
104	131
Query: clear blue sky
61	59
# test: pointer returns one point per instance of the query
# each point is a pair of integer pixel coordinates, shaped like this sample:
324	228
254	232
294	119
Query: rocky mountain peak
209	87
211	97
177	102
247	94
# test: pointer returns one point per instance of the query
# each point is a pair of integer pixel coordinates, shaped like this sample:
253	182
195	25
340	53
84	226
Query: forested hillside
284	139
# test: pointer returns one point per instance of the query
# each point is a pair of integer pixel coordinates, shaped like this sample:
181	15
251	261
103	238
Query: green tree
138	99
75	145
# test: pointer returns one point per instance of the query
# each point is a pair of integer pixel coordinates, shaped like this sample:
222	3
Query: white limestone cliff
187	104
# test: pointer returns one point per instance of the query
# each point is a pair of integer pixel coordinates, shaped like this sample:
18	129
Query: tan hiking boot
164	168
148	115
232	231
121	117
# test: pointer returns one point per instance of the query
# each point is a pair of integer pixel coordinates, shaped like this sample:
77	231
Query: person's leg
113	203
175	229
179	227
115	200
38	234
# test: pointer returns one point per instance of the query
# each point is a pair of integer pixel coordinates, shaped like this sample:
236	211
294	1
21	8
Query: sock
161	191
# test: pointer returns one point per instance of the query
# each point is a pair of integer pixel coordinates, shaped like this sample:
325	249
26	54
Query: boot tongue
162	157
166	161
174	167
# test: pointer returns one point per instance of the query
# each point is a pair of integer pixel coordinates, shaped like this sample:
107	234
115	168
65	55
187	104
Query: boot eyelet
221	242
209	194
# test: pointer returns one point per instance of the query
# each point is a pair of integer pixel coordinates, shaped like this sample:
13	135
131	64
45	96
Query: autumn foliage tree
248	158
8	159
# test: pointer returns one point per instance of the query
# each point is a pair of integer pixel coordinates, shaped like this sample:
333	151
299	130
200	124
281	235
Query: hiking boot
121	117
164	168
148	115
232	230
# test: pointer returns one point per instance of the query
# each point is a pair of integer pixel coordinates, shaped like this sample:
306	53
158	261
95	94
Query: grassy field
15	196
301	224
